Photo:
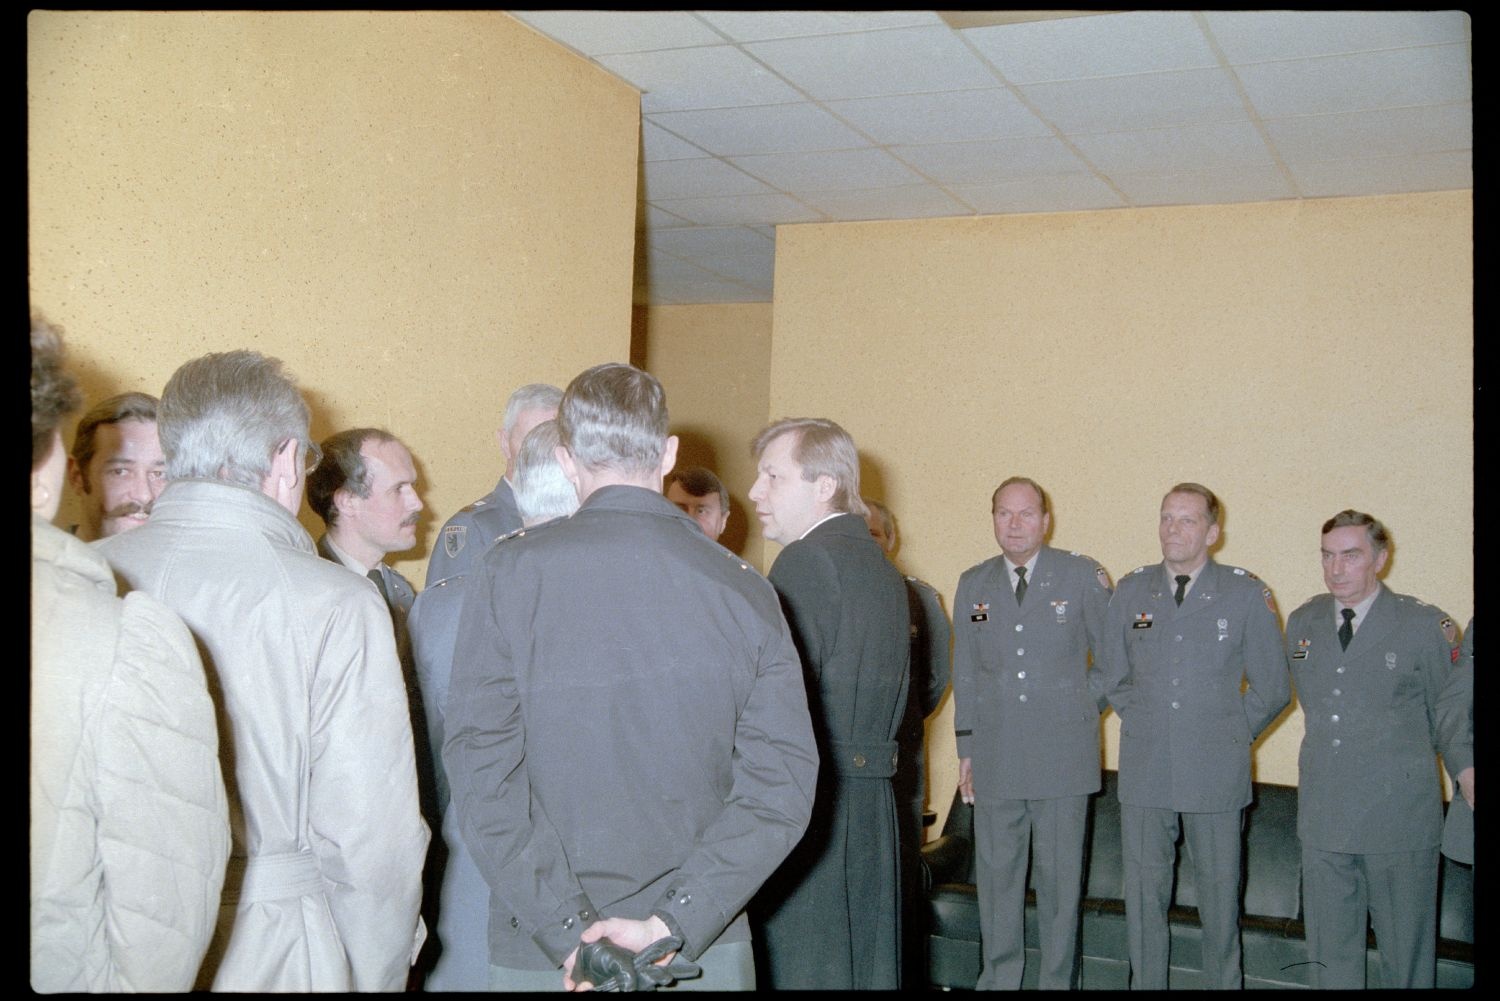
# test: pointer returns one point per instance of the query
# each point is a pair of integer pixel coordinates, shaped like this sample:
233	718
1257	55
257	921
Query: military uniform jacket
1367	779
325	880
1024	708
1456	737
627	732
470	532
1174	675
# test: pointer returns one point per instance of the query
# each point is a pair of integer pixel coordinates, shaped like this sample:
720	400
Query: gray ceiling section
755	118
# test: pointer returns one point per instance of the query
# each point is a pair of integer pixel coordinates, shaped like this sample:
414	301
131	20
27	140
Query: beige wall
715	363
1298	357
417	211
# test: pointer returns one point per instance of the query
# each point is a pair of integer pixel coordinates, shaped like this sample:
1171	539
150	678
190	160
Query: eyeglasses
313	456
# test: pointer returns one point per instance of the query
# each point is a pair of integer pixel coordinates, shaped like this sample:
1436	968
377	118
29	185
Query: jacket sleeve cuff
962	738
698	922
559	933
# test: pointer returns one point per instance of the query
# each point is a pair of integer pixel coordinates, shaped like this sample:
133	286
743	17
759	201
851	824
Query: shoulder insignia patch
1270	601
1103	576
454	537
1138	570
1450	630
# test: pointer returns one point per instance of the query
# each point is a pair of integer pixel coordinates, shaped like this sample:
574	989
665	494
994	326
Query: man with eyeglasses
324	878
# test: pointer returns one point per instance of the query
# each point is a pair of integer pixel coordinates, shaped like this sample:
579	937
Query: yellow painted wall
1297	357
714	361
416	211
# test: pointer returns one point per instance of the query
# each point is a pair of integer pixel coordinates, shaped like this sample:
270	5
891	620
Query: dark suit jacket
1174	676
627	732
849	612
1024	709
1367	774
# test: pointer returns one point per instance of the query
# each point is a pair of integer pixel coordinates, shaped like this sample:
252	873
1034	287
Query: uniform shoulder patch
1270	600
454	538
1450	630
1138	570
1103	577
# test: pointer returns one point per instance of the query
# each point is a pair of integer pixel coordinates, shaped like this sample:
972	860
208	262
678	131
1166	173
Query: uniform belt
865	759
275	876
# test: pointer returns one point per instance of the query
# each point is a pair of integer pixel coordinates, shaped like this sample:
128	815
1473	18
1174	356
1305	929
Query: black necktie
1020	584
1182	583
379	580
1346	631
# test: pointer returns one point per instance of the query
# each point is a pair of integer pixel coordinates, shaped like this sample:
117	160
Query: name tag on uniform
981	612
1142	621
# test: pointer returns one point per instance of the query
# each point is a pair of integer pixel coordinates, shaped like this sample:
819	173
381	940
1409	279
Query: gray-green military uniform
470	532
1456	733
1027	716
1174	675
1369	803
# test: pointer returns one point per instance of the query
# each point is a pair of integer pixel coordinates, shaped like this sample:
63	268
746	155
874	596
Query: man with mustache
117	465
365	490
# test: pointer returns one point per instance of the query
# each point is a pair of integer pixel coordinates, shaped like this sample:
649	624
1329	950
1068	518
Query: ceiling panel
1395	78
853	169
1084	47
875	63
1260	36
995	160
1132	103
775	128
1180	150
719	76
953	116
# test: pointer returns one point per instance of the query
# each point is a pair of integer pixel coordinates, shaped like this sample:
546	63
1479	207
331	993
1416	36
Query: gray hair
822	449
1380	539
887	520
542	491
614	416
223	415
533	396
342	467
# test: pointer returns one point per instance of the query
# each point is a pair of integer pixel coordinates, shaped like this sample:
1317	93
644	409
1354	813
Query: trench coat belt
275	876
863	759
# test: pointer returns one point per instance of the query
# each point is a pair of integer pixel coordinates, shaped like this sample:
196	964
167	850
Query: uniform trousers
1398	892
1148	847
727	966
1053	831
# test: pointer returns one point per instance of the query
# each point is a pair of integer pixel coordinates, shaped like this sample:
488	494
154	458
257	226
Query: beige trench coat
129	827
324	885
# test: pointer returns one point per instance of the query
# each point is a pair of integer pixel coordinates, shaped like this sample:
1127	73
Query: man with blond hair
830	917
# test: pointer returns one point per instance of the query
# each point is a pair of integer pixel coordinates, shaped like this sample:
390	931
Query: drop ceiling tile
1396	78
657	218
1133	103
594	32
1060	193
992	161
1248	183
703	178
742	210
919	201
828	171
762	25
660	266
774	128
872	64
1386	175
702	242
719	76
1077	48
658	144
1264	35
1178	150
953	116
1361	134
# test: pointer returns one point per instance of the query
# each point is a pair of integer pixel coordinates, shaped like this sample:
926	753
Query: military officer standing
1027	721
1181	639
1370	666
474	529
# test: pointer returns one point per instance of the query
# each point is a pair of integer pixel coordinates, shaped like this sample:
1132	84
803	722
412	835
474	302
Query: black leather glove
610	967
